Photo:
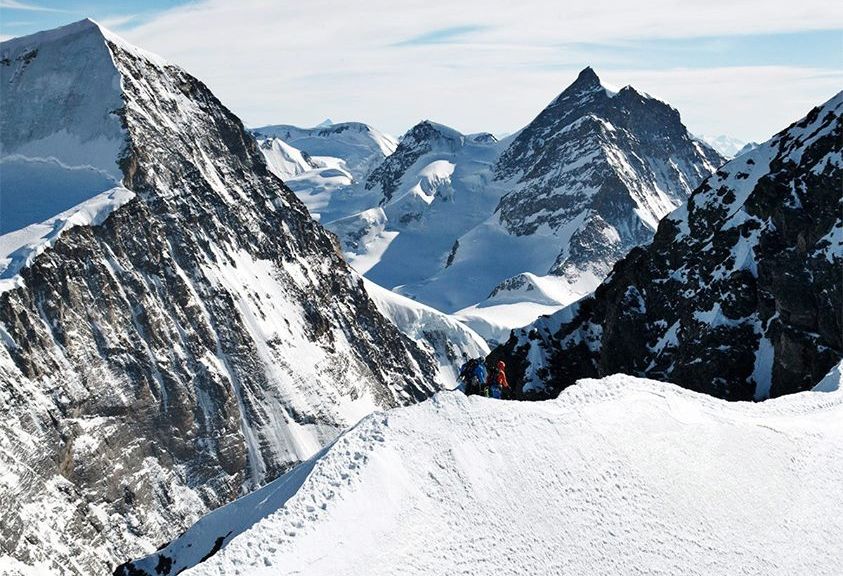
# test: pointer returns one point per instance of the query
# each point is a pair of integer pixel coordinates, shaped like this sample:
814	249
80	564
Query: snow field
616	476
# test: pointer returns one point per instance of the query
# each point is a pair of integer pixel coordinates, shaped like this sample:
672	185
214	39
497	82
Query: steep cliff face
601	169
201	340
739	294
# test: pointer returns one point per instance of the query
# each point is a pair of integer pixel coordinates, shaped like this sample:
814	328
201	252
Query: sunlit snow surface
616	476
59	159
19	248
448	339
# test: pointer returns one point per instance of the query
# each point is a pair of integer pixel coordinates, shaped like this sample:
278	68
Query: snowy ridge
446	337
621	474
18	249
361	146
326	166
284	160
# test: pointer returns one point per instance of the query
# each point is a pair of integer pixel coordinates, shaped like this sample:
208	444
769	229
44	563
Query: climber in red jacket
499	385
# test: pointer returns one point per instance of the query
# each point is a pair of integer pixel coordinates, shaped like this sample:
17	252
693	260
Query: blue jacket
480	373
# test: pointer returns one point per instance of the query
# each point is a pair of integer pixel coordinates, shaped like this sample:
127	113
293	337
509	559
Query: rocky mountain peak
202	338
739	293
427	132
419	140
598	169
587	78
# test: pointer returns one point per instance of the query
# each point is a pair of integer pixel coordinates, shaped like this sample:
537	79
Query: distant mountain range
499	232
727	146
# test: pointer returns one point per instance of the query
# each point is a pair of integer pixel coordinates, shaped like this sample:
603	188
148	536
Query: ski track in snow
616	476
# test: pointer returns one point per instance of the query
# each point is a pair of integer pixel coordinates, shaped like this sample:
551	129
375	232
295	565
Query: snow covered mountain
432	189
450	219
360	146
578	187
739	295
323	165
728	146
616	476
185	334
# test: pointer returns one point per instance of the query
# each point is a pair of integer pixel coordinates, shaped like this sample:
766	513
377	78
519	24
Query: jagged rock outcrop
202	340
739	295
601	169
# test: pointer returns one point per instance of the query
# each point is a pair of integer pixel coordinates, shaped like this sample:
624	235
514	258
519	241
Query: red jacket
500	377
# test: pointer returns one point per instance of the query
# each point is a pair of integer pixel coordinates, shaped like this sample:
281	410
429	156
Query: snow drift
616	476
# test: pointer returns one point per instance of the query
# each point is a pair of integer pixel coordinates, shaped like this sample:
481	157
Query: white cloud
117	21
15	5
302	61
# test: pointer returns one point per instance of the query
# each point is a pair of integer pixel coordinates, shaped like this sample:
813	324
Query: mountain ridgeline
739	295
464	217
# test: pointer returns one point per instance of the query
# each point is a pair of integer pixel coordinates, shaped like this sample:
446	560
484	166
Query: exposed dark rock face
599	169
739	295
201	341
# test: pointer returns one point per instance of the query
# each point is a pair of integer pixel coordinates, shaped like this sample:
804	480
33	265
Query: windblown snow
616	476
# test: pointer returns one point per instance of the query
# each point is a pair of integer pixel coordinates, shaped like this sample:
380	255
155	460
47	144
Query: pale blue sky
744	68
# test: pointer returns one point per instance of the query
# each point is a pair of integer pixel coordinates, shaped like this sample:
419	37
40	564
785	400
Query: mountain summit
588	179
202	338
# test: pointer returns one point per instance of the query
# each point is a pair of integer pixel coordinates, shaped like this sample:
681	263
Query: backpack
466	370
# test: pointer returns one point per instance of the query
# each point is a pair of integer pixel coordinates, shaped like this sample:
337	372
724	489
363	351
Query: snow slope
616	476
514	303
432	190
360	146
325	166
449	340
60	143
